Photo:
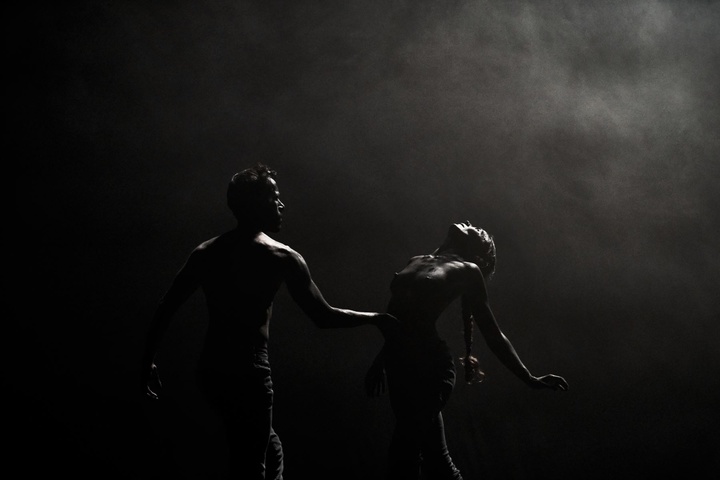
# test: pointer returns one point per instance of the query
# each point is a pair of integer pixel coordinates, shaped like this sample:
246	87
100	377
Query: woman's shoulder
460	269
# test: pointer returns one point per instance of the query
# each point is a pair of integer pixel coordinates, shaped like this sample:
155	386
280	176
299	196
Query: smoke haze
583	136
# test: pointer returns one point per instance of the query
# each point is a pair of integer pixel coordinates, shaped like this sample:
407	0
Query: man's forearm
346	318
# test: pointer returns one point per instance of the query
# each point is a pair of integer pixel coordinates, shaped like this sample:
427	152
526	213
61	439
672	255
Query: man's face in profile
271	208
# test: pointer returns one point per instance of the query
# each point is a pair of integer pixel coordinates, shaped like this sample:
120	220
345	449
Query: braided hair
482	251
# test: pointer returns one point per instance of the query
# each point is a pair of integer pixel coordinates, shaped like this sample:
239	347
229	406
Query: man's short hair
247	187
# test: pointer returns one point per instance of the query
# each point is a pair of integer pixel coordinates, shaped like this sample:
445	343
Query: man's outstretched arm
307	295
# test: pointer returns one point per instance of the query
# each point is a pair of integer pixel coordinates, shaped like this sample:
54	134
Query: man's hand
151	384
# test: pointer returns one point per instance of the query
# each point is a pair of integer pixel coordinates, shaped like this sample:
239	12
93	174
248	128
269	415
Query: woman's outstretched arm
496	339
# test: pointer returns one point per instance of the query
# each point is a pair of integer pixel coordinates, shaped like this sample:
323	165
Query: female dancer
419	366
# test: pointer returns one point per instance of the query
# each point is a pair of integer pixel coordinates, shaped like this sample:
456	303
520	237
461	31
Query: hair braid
470	363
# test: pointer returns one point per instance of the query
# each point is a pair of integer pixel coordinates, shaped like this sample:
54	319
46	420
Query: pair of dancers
240	273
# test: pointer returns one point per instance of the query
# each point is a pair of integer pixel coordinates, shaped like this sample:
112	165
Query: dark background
583	136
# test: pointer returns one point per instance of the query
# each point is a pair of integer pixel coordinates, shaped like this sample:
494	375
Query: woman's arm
496	339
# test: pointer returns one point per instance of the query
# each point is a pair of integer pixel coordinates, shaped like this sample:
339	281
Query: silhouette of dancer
239	273
417	364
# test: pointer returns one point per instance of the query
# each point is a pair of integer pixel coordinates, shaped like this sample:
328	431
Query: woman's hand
375	378
473	374
554	382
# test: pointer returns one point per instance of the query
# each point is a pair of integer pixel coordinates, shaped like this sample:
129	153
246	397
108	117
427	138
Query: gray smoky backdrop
582	135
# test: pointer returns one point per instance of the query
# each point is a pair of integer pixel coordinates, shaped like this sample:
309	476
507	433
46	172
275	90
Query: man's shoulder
275	247
226	243
204	245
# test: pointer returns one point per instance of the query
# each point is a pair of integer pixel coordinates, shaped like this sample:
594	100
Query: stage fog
584	138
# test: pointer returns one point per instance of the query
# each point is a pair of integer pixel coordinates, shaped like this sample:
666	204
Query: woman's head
473	244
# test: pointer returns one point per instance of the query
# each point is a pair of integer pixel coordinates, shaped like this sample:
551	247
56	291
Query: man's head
254	198
475	245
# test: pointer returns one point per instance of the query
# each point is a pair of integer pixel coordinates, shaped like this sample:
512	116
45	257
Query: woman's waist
418	332
414	342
